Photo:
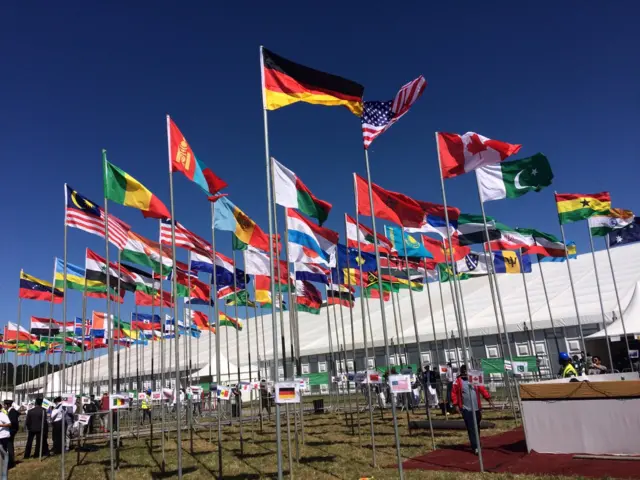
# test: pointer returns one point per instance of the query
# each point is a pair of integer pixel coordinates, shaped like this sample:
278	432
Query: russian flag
312	273
309	243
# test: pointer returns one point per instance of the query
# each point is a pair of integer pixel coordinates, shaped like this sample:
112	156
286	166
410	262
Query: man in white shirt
5	430
57	414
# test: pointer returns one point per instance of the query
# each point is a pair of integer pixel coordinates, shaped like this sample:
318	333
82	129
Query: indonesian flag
463	153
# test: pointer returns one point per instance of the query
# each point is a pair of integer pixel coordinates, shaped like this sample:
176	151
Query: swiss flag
463	153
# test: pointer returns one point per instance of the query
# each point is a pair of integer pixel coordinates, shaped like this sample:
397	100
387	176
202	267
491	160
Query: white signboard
301	383
520	368
142	396
476	377
287	392
83	419
156	396
68	400
400	383
373	376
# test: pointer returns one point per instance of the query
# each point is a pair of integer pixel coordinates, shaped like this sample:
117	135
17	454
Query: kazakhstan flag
414	247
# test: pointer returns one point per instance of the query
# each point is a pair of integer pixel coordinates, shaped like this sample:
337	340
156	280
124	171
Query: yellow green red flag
573	207
122	188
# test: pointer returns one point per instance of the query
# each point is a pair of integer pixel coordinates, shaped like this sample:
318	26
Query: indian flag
601	225
573	207
290	192
145	252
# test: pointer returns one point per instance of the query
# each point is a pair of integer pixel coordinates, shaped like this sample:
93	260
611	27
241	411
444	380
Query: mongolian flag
184	160
285	82
32	288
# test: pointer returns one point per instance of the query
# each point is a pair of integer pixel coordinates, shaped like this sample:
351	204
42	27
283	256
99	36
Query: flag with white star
377	116
626	235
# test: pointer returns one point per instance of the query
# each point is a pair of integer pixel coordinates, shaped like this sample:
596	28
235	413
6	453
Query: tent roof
478	306
631	319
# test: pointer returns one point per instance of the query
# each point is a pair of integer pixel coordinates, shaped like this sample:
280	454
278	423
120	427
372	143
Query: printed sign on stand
83	419
476	377
86	400
287	392
46	404
142	396
118	401
360	377
400	383
301	383
520	368
156	396
373	376
255	385
223	393
68	400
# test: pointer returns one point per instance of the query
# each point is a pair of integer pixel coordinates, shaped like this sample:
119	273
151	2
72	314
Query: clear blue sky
557	77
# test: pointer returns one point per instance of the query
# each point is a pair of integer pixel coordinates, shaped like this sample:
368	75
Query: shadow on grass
172	473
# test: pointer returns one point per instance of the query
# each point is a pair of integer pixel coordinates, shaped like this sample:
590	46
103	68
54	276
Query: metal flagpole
255	316
494	278
63	354
108	319
456	300
16	359
218	333
264	346
331	360
413	308
364	328
246	316
546	296
383	313
404	343
615	287
119	332
526	296
239	397
174	294
573	290
212	321
189	350
435	337
82	333
604	318
277	266
353	337
163	327
271	269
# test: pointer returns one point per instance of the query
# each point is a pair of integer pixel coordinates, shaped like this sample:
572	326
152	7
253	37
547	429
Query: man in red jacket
466	397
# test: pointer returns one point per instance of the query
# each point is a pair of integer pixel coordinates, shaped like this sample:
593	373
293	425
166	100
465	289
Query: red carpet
507	453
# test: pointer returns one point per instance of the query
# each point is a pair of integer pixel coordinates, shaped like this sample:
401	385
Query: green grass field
329	451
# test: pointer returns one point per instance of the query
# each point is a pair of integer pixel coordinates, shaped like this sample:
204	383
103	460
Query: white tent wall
480	315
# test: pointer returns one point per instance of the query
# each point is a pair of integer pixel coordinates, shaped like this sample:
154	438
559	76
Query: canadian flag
463	153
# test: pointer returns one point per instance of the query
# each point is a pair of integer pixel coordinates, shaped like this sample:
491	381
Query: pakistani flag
602	225
514	179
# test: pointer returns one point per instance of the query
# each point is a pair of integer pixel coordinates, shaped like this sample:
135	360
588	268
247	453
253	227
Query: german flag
285	82
573	207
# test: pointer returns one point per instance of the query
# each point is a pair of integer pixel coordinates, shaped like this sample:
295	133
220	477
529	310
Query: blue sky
557	77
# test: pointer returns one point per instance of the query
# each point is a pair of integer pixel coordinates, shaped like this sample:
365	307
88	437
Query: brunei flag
285	82
122	188
573	207
32	288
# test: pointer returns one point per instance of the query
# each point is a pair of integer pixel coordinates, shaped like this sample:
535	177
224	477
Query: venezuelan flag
507	261
573	207
32	288
230	218
285	82
122	188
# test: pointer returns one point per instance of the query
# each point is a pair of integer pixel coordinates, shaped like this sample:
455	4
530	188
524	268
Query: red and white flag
184	238
377	117
464	153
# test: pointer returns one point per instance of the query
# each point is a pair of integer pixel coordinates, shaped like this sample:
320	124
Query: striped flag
83	214
378	117
184	238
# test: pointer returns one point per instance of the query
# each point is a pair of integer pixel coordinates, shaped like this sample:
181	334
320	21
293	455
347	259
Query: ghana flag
285	82
573	207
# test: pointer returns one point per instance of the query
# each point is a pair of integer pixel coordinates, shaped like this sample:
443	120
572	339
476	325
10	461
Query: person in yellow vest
145	406
567	369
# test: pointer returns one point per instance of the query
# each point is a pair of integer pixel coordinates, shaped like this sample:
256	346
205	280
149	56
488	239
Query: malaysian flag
377	117
85	215
184	238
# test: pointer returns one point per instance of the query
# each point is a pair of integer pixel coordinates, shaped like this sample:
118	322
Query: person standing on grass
14	418
57	414
38	428
5	432
145	406
466	397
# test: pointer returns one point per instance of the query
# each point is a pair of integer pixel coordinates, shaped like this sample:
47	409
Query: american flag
184	238
83	214
377	117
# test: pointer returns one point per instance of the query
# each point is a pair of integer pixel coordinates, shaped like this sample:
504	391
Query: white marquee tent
480	317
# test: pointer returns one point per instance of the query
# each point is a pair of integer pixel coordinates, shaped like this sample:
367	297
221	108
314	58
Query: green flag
514	179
